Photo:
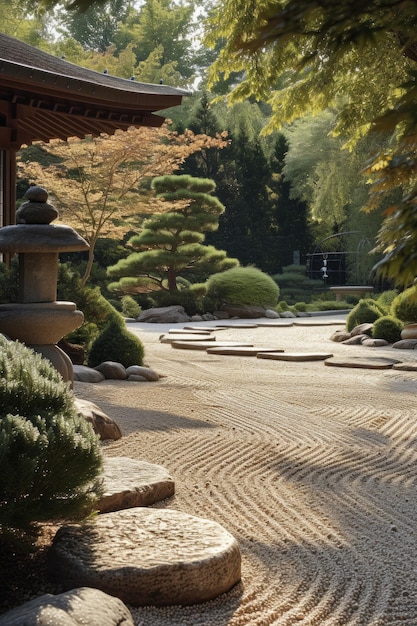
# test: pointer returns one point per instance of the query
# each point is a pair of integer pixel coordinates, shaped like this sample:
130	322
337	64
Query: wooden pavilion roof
43	97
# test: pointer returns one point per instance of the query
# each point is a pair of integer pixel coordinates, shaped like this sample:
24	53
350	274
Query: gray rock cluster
114	371
362	335
175	314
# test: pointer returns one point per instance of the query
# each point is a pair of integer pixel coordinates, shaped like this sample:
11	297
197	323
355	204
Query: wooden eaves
43	97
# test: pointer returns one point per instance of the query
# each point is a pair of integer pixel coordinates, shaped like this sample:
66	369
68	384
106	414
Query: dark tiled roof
55	98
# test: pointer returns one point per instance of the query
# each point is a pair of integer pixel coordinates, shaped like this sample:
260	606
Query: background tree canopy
355	56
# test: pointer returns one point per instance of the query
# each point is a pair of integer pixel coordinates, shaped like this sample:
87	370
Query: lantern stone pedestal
38	319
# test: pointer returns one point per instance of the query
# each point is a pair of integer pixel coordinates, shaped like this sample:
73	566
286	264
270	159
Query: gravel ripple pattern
313	470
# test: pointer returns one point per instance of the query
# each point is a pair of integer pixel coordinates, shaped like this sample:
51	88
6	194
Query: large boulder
165	315
244	311
73	608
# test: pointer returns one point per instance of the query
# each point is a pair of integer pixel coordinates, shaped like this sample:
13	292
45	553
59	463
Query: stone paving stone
147	556
362	362
242	351
295	356
129	483
174	337
203	345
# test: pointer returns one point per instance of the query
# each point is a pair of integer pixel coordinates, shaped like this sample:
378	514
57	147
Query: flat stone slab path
147	557
129	483
295	356
242	351
363	362
190	337
203	345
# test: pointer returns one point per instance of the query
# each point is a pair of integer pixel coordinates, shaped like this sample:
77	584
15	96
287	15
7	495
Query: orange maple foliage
98	184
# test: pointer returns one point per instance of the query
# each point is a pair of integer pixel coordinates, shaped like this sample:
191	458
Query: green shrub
387	327
386	298
130	308
328	305
300	306
404	306
282	306
364	312
50	458
187	298
243	285
116	343
90	301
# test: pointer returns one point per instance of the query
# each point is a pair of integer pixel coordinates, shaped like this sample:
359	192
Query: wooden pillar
8	187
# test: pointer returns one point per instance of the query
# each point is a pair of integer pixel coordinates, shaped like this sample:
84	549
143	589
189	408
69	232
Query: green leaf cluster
50	458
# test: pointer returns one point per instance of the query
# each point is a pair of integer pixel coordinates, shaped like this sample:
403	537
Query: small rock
86	374
287	314
271	314
102	424
375	343
136	378
362	329
355	340
140	370
340	336
76	607
405	344
112	370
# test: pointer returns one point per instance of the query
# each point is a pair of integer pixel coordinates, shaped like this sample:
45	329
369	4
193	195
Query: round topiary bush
364	312
387	327
404	306
116	343
50	458
243	285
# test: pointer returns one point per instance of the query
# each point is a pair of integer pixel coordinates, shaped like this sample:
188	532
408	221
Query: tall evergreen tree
291	214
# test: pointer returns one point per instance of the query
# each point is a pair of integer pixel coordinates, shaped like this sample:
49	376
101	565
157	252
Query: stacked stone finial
36	209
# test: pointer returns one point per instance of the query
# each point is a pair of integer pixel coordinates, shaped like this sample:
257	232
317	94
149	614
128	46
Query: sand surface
312	468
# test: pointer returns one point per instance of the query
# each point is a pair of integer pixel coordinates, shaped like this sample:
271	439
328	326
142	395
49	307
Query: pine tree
172	242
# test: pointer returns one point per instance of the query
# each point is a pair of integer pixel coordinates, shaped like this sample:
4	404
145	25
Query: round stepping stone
128	483
295	356
171	338
203	345
242	351
147	557
375	363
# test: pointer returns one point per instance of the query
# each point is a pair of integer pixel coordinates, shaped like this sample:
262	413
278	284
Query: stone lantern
38	319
